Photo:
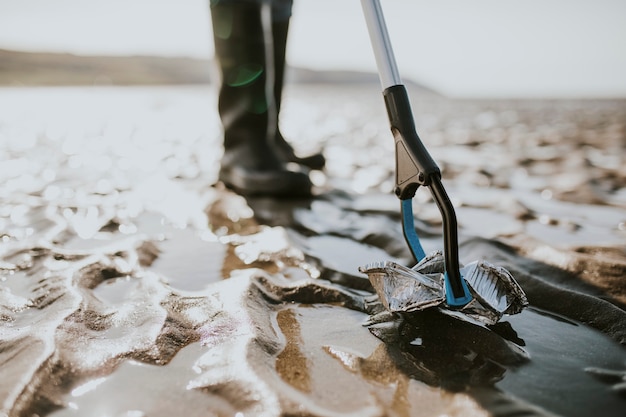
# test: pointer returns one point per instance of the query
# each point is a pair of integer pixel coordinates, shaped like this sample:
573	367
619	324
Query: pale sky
463	48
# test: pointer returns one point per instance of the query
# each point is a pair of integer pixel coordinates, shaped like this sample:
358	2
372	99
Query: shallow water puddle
324	340
560	351
189	262
342	257
452	353
115	291
137	389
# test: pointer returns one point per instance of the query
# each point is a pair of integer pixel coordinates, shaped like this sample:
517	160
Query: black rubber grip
415	166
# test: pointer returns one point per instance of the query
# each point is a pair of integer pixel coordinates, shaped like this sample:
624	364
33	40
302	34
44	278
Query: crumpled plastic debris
401	289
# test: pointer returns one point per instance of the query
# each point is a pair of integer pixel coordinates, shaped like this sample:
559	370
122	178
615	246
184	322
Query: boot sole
284	184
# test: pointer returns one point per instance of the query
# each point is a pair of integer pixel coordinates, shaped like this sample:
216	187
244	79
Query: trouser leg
246	104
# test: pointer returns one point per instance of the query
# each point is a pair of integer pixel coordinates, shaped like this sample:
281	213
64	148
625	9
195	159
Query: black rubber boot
279	34
250	165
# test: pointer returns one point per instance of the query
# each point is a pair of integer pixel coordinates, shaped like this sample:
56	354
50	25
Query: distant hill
39	69
50	69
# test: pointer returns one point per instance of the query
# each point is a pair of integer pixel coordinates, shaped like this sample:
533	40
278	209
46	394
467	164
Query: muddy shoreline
132	285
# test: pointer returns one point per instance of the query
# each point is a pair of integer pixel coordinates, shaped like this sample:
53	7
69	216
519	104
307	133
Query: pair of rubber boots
250	50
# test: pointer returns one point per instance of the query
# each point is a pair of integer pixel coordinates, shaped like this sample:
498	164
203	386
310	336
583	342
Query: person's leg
251	164
280	29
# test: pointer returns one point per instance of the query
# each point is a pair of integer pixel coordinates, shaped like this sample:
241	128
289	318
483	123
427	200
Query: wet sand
131	285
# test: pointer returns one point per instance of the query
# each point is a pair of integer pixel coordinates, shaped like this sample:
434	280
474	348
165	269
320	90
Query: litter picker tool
414	165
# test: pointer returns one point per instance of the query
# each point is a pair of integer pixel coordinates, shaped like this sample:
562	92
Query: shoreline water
132	287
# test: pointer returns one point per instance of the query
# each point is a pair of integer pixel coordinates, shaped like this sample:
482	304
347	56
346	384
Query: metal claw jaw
415	168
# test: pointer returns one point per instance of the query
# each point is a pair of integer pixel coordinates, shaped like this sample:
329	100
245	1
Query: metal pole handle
383	52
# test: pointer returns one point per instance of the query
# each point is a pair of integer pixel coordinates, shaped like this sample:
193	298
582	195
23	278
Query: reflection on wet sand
130	286
291	364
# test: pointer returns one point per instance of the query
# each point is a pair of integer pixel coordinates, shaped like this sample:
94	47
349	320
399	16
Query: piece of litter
400	289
